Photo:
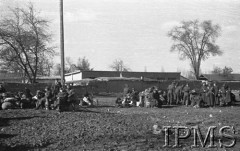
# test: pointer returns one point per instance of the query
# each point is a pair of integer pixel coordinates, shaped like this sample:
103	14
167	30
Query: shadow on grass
23	147
170	106
7	135
4	121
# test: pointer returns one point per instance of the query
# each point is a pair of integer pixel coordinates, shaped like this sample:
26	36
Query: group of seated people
209	95
151	97
57	97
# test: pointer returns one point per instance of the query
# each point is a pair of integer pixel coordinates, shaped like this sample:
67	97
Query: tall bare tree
118	65
195	41
83	64
24	41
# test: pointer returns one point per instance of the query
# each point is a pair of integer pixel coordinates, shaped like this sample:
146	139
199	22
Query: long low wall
113	86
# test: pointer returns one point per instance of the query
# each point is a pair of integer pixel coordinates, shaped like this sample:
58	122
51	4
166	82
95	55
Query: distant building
80	75
220	77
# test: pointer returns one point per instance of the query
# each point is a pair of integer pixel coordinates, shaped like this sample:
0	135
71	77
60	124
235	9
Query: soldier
228	96
223	92
204	92
211	95
56	89
46	100
71	96
26	99
216	89
61	100
186	91
125	90
177	93
170	93
156	97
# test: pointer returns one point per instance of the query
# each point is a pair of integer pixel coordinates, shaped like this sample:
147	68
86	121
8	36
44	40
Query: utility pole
62	44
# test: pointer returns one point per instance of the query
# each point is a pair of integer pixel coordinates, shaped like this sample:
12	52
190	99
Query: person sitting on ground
118	102
38	98
8	101
61	101
26	99
86	101
71	96
127	102
45	100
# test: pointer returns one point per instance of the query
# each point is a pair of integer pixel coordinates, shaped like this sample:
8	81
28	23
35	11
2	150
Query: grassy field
108	128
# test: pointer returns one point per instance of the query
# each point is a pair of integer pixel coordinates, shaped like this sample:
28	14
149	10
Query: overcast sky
136	30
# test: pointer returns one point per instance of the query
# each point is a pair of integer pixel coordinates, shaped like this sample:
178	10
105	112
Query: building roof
220	77
183	78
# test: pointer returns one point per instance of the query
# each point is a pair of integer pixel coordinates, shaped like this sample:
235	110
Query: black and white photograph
120	75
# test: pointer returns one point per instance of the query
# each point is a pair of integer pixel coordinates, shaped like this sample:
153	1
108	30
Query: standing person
178	93
170	93
228	96
211	95
48	97
204	92
216	90
126	90
224	92
56	88
156	96
186	91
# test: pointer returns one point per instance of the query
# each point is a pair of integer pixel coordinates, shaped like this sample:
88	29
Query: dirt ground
109	128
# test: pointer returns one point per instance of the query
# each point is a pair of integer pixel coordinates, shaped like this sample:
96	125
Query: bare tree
227	71
195	41
118	65
24	41
222	71
83	64
217	70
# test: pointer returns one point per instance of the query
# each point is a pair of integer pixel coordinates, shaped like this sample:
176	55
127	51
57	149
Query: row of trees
222	71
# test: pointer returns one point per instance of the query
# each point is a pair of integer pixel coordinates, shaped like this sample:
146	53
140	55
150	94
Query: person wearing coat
186	91
211	96
170	93
216	90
